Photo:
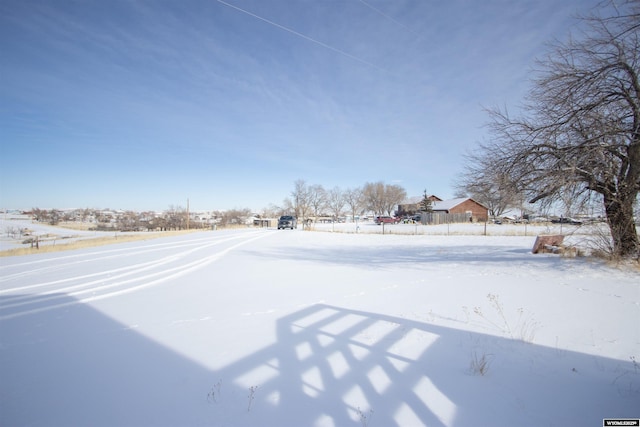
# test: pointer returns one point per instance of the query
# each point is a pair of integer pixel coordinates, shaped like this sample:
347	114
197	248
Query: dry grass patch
73	225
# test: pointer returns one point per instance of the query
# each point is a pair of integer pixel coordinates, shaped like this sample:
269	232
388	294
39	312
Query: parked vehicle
385	219
287	221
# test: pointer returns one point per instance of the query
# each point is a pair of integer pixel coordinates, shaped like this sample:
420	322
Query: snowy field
59	236
12	228
291	328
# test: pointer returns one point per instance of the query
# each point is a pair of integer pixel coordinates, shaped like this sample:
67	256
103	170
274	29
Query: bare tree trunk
619	212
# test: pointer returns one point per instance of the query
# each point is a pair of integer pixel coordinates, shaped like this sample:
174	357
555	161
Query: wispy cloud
333	89
298	34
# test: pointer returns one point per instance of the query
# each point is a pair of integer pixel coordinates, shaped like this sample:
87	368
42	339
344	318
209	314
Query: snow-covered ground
10	238
15	230
293	328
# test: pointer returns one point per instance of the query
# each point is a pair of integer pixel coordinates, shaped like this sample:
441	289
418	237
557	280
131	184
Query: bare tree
317	199
273	211
393	196
373	194
483	183
383	198
13	232
54	216
39	215
580	129
287	208
235	216
176	217
128	221
335	202
300	200
354	198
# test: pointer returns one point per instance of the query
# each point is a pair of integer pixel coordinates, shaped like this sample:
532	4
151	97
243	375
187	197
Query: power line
282	27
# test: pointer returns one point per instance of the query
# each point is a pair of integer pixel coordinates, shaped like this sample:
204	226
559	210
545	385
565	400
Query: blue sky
136	104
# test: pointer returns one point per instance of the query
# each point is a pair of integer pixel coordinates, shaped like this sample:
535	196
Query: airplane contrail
282	27
388	17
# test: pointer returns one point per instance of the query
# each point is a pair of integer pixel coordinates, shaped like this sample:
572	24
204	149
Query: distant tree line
308	201
305	201
173	218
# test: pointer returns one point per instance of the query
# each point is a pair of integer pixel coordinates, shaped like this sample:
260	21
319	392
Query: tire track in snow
120	287
63	262
135	267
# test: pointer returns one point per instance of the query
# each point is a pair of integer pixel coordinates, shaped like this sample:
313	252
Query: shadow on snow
392	255
329	366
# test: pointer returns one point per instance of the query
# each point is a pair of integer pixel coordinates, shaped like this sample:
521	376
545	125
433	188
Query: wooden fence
435	218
